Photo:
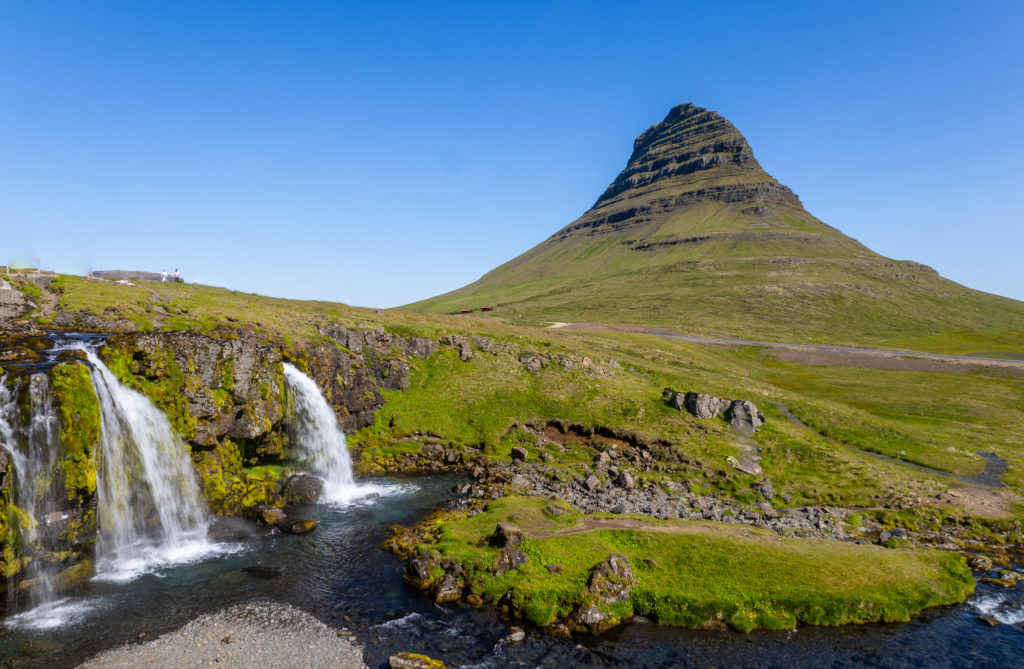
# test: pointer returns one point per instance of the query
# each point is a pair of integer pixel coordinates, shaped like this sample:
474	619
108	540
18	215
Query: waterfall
317	439
150	510
32	442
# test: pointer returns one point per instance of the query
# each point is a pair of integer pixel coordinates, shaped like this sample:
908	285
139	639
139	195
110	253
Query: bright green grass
706	572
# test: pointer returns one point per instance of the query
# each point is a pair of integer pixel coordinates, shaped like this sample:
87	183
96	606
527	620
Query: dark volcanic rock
302	489
507	534
508	558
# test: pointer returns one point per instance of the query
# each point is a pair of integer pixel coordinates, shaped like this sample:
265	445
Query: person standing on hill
177	276
163	275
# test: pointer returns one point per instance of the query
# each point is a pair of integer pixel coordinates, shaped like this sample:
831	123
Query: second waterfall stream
318	441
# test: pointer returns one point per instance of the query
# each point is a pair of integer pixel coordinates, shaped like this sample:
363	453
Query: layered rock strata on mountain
694	155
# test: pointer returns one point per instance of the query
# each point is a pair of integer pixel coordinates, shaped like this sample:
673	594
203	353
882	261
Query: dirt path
590	523
836	356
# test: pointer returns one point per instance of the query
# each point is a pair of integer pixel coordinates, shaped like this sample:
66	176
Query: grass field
694	573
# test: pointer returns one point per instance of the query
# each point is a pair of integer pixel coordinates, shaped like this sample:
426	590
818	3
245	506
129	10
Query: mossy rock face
78	412
228	489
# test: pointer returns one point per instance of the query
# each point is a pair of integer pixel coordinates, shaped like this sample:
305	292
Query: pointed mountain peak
693	155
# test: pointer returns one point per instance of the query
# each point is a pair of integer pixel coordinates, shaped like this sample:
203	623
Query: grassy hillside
695	236
935	419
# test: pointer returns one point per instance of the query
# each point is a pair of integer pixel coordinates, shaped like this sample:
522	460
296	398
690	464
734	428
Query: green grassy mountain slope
694	235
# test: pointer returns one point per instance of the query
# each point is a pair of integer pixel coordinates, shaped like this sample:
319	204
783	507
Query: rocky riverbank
256	634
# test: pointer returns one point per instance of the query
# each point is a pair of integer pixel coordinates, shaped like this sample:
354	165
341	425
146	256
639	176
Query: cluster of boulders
299	490
445	579
742	415
621	490
535	362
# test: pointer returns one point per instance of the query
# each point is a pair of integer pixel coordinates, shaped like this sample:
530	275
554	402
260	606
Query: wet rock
413	661
273	516
590	618
417	571
73	575
704	406
979	563
302	489
744	417
448	590
507	534
519	453
474	600
508	558
515	636
302	527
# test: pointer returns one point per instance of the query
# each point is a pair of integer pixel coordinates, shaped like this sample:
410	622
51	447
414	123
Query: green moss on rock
78	411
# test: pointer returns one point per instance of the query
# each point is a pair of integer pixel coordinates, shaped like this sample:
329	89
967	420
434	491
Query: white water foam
1000	608
57	613
317	440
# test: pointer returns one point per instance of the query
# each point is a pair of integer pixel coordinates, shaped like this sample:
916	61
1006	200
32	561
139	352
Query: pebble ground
256	634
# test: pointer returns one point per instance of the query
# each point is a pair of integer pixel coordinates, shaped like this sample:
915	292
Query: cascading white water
317	439
150	511
32	441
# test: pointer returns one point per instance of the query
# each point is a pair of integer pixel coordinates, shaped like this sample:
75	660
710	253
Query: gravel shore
257	634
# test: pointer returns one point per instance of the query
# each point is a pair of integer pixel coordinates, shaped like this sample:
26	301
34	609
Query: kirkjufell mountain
694	235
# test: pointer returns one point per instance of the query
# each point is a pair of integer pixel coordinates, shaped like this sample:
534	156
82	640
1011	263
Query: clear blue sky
380	153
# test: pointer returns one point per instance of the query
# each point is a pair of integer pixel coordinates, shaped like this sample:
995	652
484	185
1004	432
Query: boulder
448	590
273	516
553	510
519	453
413	661
465	352
533	363
979	563
508	558
302	527
592	483
704	406
744	416
302	489
591	619
507	534
417	571
611	579
422	347
625	480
